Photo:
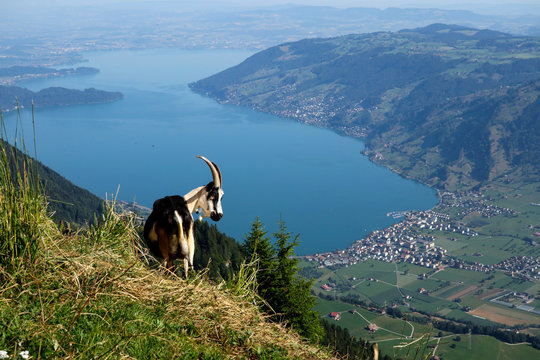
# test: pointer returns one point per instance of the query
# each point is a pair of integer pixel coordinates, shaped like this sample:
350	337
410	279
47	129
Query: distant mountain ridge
444	104
41	40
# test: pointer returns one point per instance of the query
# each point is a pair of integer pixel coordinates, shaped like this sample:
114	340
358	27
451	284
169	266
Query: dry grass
94	295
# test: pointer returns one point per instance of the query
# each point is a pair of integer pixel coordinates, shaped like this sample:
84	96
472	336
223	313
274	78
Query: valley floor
473	259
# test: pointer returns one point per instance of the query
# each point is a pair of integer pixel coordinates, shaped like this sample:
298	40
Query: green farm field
499	237
480	347
393	333
449	291
460	276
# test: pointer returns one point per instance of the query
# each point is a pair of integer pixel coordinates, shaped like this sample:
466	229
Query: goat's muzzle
216	216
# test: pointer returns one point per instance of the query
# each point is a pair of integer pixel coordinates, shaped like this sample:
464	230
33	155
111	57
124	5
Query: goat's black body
163	217
168	231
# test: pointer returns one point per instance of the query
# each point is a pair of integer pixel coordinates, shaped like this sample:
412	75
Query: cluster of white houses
521	266
403	242
400	242
408	241
473	202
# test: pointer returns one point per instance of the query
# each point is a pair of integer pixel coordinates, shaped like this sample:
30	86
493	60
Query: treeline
287	295
222	254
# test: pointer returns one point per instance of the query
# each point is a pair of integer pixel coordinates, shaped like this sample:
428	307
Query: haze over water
315	180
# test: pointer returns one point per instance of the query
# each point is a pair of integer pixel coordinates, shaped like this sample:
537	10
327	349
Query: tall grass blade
22	205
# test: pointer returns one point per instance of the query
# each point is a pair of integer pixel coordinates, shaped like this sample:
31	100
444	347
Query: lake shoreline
125	142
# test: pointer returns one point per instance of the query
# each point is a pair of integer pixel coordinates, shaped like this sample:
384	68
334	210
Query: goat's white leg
191	247
186	267
184	245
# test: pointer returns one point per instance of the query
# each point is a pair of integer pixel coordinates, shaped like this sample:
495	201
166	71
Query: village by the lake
411	240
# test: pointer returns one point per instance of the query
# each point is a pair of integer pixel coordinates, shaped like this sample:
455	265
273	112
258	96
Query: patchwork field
480	347
451	293
460	276
447	293
462	293
505	315
357	319
394	333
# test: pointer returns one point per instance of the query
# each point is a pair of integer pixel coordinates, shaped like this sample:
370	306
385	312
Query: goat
168	231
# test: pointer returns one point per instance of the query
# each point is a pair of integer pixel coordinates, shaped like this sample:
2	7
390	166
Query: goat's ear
193	194
216	174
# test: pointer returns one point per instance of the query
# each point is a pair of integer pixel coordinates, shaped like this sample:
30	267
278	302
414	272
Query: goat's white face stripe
211	204
215	204
219	209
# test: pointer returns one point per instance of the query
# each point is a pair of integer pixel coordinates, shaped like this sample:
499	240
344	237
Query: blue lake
318	182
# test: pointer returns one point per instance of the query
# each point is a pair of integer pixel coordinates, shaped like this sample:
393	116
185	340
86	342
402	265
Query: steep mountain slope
448	105
221	254
67	201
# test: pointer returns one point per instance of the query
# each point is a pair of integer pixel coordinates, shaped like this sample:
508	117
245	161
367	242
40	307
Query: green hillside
220	253
447	105
67	201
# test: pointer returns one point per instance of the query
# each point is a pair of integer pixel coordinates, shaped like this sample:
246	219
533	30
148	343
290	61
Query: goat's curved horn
216	174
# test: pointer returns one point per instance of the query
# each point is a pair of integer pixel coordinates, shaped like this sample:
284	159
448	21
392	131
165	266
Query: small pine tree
257	246
278	282
292	295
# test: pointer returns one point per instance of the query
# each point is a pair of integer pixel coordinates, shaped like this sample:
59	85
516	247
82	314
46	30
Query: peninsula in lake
11	96
447	105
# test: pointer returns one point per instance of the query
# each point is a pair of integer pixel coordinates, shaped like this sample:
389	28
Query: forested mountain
444	104
53	96
221	253
68	201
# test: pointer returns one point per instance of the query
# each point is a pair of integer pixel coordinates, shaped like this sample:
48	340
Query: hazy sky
480	6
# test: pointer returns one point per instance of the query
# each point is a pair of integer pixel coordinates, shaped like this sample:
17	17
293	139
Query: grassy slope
93	295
